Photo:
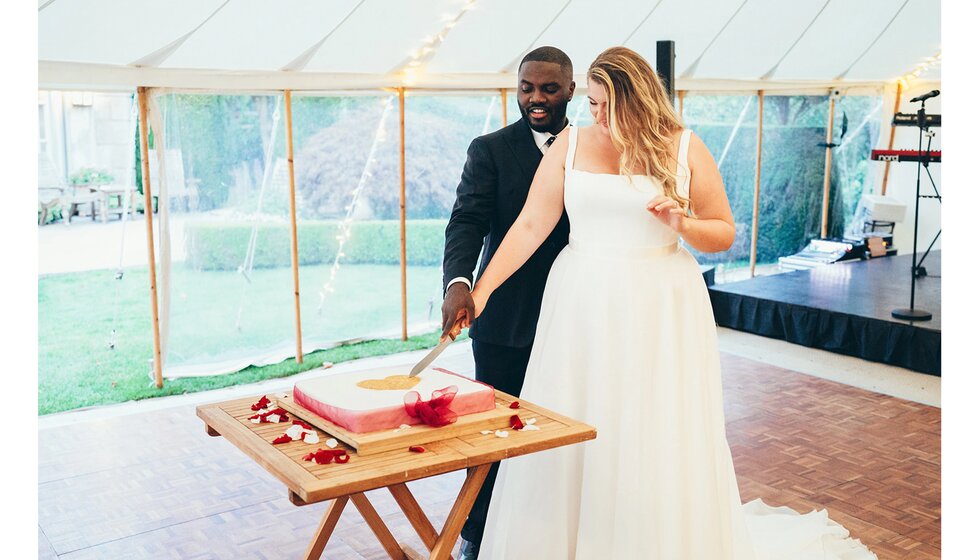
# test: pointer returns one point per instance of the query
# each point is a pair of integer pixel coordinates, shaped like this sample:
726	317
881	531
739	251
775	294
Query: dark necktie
549	142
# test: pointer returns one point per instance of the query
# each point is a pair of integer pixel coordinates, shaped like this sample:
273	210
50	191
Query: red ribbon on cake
434	412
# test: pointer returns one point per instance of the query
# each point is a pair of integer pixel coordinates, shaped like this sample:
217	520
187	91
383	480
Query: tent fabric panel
381	36
837	37
583	30
911	39
491	36
692	25
112	32
289	26
751	45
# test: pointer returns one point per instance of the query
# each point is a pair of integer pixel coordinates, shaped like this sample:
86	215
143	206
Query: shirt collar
541	137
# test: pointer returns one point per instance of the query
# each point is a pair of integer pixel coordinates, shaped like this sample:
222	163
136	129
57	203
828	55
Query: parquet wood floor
153	485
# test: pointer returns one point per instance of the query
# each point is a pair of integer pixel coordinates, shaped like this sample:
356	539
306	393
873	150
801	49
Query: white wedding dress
626	342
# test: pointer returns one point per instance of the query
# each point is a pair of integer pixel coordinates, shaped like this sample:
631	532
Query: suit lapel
526	152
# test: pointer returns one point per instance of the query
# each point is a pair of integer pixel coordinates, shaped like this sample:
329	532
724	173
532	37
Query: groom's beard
553	117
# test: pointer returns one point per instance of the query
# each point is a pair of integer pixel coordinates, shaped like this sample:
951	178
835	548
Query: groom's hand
457	305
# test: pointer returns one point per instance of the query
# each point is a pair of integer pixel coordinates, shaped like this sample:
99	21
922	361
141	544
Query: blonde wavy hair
641	117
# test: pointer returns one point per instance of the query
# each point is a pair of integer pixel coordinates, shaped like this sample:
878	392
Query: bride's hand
668	211
479	301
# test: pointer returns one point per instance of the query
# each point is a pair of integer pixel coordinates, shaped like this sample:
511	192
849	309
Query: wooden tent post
680	103
755	195
891	139
151	257
293	239
827	170
503	104
401	169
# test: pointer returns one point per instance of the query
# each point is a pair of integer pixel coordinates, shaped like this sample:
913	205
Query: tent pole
680	103
827	169
293	240
891	139
401	172
755	195
503	104
151	257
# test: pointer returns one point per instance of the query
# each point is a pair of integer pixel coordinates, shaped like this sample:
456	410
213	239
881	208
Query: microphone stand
911	313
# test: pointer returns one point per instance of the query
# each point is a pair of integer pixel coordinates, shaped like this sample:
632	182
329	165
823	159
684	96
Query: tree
330	165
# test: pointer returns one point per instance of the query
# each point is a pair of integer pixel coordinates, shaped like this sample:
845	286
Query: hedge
223	246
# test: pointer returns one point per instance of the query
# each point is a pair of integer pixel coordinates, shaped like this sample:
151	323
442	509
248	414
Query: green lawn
211	319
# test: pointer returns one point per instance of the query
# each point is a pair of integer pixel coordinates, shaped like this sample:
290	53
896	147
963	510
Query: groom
494	185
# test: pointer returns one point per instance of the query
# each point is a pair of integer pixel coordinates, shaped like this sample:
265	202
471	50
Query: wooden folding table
309	483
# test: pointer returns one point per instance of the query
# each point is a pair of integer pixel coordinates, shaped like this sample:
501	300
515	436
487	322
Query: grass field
214	315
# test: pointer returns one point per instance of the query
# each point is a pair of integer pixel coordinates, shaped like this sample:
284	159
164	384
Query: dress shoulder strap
683	170
572	142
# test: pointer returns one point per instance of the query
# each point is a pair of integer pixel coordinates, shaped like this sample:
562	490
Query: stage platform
843	308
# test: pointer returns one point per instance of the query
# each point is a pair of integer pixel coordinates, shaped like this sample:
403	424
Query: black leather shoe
469	550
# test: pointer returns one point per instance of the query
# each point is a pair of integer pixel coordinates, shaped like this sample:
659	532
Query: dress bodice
611	210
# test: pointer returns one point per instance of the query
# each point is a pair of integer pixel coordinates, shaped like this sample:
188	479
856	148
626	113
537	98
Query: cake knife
434	353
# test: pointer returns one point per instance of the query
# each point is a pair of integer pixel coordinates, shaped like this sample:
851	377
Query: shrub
223	246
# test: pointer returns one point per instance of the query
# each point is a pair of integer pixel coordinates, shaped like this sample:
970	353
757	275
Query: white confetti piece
311	438
274	418
254	420
404	427
486	432
295	432
502	433
530	427
331	443
532	421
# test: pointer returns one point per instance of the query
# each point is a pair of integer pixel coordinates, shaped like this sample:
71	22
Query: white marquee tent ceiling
474	44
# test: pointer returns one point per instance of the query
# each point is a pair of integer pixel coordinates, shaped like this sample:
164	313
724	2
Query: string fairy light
344	227
411	69
906	79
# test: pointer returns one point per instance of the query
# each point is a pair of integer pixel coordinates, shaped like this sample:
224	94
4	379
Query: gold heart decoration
390	383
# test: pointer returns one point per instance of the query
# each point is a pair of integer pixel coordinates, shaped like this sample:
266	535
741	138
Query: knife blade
434	353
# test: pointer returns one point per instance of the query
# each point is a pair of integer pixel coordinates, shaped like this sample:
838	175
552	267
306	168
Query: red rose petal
264	417
325	456
282	439
303	424
417	449
515	405
263	402
515	422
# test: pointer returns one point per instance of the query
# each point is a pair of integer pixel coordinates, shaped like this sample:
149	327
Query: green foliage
791	190
223	246
90	176
330	164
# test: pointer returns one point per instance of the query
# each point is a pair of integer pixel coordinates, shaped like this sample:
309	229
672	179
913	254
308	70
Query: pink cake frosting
338	398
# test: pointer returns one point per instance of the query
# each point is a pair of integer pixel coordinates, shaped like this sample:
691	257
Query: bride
626	342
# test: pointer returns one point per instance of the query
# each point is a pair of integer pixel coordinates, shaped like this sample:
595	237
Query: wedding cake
372	400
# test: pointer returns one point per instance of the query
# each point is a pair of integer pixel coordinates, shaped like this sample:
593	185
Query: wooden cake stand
309	483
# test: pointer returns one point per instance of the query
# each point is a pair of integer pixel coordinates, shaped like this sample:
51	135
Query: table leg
457	516
412	510
327	525
378	526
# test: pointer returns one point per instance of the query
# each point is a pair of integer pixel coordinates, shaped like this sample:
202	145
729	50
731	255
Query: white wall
901	176
87	129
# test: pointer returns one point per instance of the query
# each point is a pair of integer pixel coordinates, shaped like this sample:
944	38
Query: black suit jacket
492	191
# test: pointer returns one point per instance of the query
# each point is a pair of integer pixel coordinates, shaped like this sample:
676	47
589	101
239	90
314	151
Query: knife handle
457	328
